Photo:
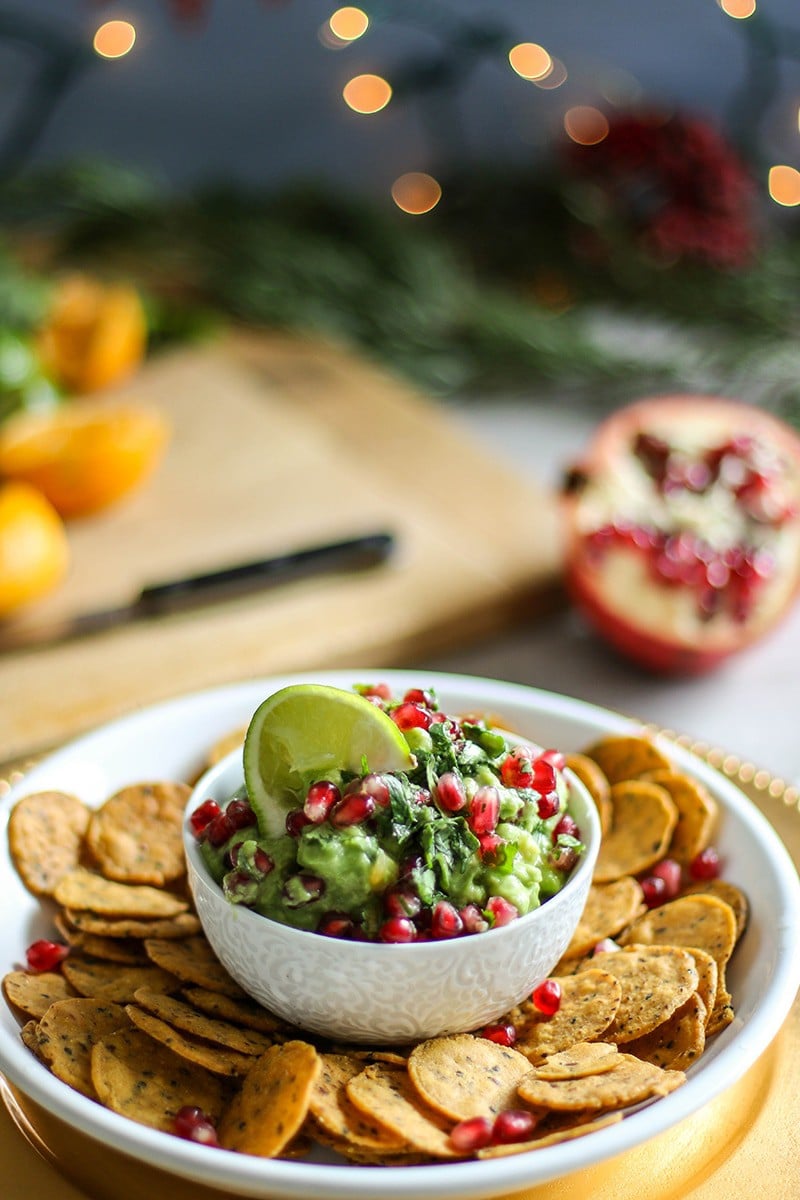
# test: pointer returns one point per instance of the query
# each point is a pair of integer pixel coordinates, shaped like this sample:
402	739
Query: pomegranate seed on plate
502	1032
671	872
705	865
654	890
192	1123
45	956
204	815
513	1125
547	997
320	799
472	1134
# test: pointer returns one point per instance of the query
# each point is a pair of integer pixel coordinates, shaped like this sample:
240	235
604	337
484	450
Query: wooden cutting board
278	443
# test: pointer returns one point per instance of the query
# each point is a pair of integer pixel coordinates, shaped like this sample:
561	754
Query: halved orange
84	455
34	554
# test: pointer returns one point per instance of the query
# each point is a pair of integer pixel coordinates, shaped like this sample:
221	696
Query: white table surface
749	705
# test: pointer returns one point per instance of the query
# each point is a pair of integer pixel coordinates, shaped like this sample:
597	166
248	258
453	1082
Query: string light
349	23
114	39
367	93
530	60
416	193
740	10
585	125
784	185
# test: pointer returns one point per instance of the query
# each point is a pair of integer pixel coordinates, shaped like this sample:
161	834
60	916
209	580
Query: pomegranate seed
192	1123
654	890
567	827
203	816
473	919
563	858
262	861
377	787
352	810
547	997
335	924
503	1033
398	929
513	1125
299	890
219	830
484	810
445	921
45	956
380	691
320	799
606	946
543	776
296	821
554	757
548	805
472	1134
490	846
516	770
411	716
502	910
401	901
450	792
240	814
670	871
705	865
418	696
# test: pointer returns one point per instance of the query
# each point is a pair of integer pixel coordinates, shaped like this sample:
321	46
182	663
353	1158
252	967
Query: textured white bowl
371	991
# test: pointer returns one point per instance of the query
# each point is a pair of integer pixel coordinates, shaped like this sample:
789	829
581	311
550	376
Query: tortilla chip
678	1042
463	1076
588	1125
589	1004
387	1094
216	1059
114	982
334	1111
655	980
136	837
68	1031
584	1058
730	893
45	838
609	908
188	1020
33	993
629	1082
700	920
246	1012
81	889
193	961
183	924
644	818
626	757
707	978
142	1080
697	813
272	1104
93	945
596	783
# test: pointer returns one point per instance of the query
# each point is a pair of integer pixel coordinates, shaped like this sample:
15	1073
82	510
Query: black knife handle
365	551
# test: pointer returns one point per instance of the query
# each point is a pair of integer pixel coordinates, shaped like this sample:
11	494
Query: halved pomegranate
683	529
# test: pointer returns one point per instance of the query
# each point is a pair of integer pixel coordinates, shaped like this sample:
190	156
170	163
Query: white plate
170	741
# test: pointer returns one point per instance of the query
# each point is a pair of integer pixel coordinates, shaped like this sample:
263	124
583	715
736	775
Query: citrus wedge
310	731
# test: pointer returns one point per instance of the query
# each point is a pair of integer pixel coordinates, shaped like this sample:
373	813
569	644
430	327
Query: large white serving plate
169	741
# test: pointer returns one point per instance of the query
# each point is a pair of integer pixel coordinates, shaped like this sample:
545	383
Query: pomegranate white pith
684	529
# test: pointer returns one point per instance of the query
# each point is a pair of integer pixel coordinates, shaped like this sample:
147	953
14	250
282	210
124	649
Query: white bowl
171	740
370	991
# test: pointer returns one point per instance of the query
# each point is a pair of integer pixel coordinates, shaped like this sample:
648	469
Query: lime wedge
310	731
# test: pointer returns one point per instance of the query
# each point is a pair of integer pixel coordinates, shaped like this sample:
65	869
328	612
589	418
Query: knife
192	591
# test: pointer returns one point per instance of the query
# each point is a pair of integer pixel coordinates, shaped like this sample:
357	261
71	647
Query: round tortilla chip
629	1082
728	892
68	1031
622	757
183	1017
584	1058
643	822
115	982
596	783
463	1076
85	890
700	920
193	961
655	981
334	1111
45	838
678	1042
589	1003
272	1104
387	1094
136	837
697	813
33	994
610	908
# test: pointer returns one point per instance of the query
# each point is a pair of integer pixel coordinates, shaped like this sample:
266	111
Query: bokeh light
738	9
554	77
416	193
585	125
114	39
784	185
530	60
367	93
348	23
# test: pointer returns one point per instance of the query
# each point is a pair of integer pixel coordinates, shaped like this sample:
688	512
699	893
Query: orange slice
33	546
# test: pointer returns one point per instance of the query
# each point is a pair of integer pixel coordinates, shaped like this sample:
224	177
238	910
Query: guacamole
476	834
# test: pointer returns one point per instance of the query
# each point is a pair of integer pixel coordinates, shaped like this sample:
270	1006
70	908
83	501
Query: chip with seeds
183	924
272	1103
193	961
115	982
697	813
135	836
388	1095
67	1032
655	981
728	892
568	1133
95	945
609	908
33	994
707	978
629	1082
45	837
596	783
464	1076
700	920
644	818
183	1017
29	1033
244	1011
334	1111
82	889
216	1059
678	1042
142	1080
584	1058
625	756
589	1003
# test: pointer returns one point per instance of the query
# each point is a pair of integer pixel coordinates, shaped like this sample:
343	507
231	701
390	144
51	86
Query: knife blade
193	591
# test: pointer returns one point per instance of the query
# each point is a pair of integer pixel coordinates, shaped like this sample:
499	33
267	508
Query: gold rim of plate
728	1148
